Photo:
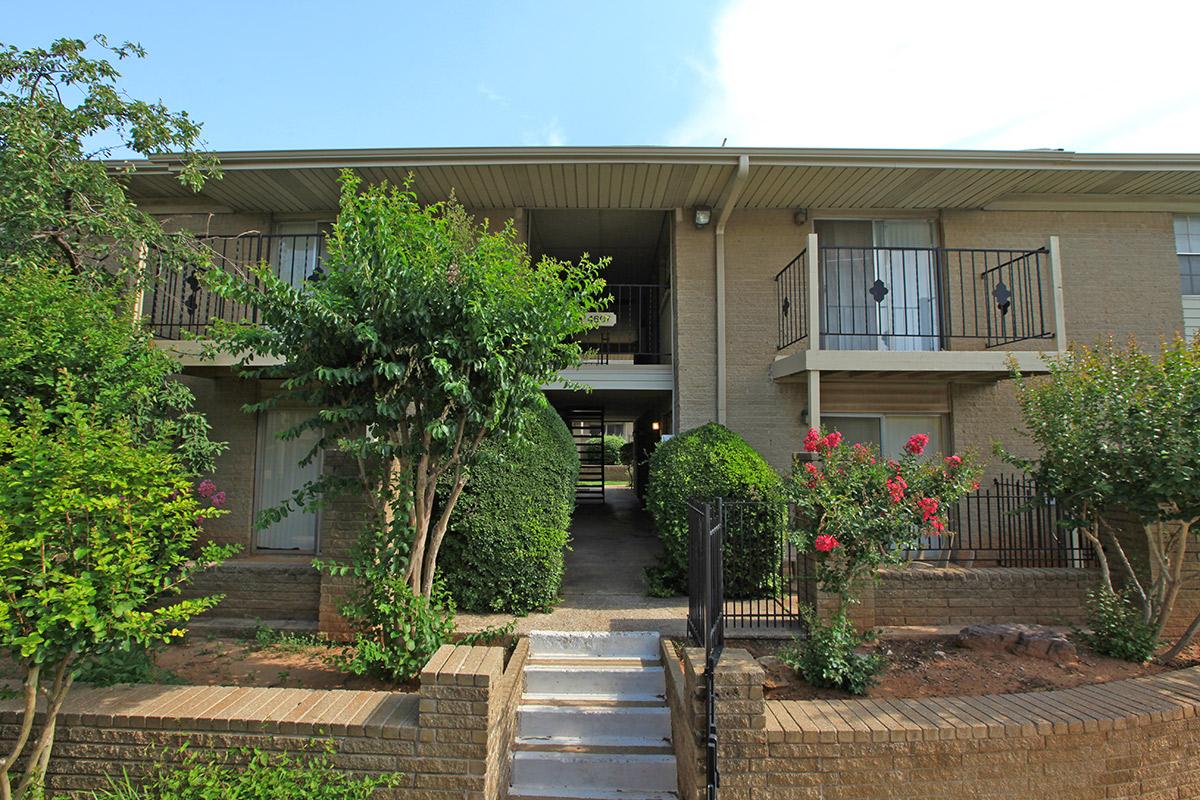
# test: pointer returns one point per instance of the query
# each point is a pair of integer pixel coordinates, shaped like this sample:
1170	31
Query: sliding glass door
279	475
878	285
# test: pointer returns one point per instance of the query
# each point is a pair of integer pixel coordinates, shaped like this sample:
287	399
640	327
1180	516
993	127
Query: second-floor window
1187	245
298	249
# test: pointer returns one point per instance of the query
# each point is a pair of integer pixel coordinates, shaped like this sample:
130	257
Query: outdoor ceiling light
801	216
654	425
702	215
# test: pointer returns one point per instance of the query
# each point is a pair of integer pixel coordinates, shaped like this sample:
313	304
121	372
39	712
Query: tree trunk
31	690
39	757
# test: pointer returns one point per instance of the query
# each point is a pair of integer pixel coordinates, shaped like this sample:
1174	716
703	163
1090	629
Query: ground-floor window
889	432
279	475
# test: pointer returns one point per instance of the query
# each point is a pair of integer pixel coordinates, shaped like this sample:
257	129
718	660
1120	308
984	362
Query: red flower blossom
217	499
953	461
916	444
928	505
813	441
206	488
937	525
975	486
833	440
896	487
825	543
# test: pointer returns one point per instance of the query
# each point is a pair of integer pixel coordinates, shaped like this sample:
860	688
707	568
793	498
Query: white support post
812	266
1060	314
814	398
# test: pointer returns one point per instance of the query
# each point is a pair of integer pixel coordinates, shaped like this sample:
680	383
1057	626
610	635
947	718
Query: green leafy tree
97	531
62	111
857	512
58	328
1118	430
425	333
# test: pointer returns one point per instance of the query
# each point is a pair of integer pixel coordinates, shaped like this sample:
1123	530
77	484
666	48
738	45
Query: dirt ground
935	667
221	661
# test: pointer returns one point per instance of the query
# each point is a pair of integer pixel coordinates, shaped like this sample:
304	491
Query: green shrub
703	464
1116	627
504	548
827	658
248	775
613	449
129	663
396	630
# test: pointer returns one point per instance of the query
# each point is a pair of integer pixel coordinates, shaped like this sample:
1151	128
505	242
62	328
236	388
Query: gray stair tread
607	745
559	793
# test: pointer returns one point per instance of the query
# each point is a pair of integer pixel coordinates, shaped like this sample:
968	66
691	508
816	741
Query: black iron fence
178	301
631	329
765	582
1004	525
918	298
706	623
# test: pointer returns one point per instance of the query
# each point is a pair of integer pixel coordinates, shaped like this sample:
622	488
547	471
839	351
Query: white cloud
549	134
1057	73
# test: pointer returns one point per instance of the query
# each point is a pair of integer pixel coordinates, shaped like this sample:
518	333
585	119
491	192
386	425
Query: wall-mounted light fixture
801	216
702	215
655	425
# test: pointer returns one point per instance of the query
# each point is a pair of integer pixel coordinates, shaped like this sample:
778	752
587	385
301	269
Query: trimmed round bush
503	550
612	446
704	464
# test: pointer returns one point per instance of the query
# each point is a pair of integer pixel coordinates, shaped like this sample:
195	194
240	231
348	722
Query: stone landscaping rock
1035	641
775	673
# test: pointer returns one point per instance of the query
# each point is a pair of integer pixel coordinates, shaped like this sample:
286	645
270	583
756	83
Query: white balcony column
1056	282
812	266
138	295
814	398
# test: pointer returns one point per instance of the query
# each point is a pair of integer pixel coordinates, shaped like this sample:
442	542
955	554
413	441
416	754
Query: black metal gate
706	613
587	429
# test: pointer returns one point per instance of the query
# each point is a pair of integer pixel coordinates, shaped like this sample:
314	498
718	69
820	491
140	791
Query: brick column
466	720
341	523
741	722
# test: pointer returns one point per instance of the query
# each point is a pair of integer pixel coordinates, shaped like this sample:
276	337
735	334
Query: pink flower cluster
208	490
916	444
815	443
825	543
928	506
896	487
814	474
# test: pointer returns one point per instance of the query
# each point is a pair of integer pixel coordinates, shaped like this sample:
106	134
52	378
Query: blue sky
929	73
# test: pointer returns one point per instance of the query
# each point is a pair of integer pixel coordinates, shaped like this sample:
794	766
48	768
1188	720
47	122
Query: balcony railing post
1060	331
812	268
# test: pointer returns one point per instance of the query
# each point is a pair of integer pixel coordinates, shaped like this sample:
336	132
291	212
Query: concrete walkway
604	586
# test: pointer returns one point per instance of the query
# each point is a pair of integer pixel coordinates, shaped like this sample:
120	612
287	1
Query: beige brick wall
221	400
450	739
1126	739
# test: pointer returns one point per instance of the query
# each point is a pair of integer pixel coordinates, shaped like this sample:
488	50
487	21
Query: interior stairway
593	723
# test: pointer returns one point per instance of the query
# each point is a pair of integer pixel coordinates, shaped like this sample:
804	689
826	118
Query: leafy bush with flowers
857	512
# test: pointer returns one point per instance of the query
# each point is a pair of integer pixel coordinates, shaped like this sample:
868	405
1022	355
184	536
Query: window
297	251
888	432
1187	245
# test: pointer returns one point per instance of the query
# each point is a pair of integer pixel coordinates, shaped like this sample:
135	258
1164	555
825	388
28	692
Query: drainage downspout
736	183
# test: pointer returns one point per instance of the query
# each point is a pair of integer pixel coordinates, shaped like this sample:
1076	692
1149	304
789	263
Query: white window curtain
908	315
297	251
280	474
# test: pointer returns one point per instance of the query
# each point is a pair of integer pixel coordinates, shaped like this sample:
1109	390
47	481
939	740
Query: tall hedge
704	464
504	549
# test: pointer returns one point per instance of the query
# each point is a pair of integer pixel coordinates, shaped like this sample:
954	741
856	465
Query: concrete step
558	774
633	683
242	628
607	725
538	793
579	644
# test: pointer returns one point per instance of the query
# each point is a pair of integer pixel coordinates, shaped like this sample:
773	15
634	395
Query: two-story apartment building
879	292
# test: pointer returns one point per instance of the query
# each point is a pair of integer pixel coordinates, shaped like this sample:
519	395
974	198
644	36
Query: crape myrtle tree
1118	430
61	112
424	333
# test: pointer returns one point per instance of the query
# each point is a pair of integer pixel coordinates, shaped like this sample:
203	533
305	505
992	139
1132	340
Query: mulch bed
936	667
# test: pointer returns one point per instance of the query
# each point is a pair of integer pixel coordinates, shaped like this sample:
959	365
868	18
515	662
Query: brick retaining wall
261	589
451	739
1136	738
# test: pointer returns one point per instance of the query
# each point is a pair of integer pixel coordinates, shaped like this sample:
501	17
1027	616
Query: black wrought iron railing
178	302
1005	525
918	298
631	328
706	624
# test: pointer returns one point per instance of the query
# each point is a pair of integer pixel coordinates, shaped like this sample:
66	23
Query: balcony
178	304
917	309
629	329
